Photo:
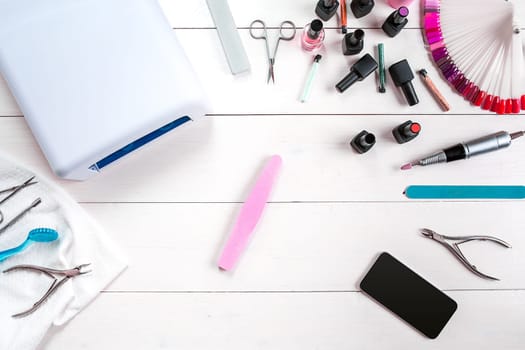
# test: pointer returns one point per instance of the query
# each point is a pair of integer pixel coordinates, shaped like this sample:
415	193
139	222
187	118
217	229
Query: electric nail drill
482	145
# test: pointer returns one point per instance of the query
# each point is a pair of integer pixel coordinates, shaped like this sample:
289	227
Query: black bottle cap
347	81
411	129
367	140
363	142
395	22
353	42
361	8
355	37
360	70
315	29
365	66
402	76
326	9
406	131
401	72
400	14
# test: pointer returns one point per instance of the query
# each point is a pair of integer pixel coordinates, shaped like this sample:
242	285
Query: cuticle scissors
285	25
454	247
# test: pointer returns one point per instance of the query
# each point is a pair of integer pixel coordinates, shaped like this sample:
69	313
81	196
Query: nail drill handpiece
485	144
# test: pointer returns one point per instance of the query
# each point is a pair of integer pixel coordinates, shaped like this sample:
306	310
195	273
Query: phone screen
408	295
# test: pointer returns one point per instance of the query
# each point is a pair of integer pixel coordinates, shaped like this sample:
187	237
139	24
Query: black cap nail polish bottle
361	8
313	35
359	71
325	9
406	131
363	142
396	21
402	76
353	42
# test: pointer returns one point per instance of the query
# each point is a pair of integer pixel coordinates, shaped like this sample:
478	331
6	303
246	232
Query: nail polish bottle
406	131
313	35
363	141
353	42
396	21
398	3
359	71
361	8
402	76
326	9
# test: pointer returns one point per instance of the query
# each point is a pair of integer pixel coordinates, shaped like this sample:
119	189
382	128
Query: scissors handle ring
261	36
282	27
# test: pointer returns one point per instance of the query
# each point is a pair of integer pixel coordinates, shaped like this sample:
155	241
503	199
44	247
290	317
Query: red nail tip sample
515	105
495	104
508	106
500	107
487	102
478	98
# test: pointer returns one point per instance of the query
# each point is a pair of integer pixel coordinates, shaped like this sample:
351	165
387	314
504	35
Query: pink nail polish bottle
313	36
398	3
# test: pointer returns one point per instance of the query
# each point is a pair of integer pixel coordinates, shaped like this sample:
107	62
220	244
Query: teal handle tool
382	75
465	192
310	79
41	235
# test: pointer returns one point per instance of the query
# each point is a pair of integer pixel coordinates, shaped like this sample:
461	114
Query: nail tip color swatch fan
478	47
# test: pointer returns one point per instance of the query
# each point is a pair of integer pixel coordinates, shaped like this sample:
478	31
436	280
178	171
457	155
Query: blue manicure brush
42	235
465	192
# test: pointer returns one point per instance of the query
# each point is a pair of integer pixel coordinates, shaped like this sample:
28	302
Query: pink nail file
250	214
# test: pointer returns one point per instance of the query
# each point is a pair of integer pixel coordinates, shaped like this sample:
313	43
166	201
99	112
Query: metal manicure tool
465	150
14	190
68	274
19	215
454	247
286	25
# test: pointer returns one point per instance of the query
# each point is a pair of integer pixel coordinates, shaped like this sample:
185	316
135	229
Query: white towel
81	241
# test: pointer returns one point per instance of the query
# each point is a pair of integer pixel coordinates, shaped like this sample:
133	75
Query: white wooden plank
218	159
249	93
484	320
310	246
195	14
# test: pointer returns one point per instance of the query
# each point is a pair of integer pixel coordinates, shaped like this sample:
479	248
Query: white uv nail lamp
95	79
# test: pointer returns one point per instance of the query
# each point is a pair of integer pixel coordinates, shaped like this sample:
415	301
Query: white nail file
230	39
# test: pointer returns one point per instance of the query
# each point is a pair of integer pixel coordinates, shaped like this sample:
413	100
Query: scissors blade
270	73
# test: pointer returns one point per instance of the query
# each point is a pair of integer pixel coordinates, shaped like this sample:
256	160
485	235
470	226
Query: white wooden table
171	205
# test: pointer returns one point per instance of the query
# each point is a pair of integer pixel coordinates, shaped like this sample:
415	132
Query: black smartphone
408	295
